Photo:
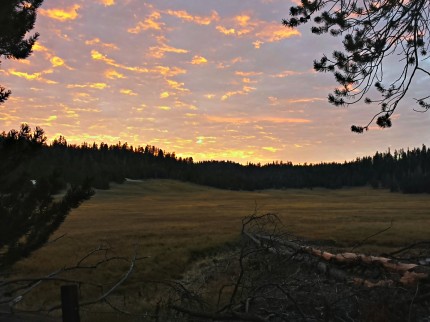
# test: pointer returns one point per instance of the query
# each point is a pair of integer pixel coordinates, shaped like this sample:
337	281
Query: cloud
257	44
162	48
59	62
113	74
245	90
247	80
270	149
276	32
61	14
88	85
39	47
164	95
168	71
273	100
243	25
247	74
286	73
243	20
107	3
255	119
305	100
128	92
51	118
35	76
97	41
185	105
96	55
151	22
177	85
225	31
198	60
200	20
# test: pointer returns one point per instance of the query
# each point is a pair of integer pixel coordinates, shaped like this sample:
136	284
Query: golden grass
169	220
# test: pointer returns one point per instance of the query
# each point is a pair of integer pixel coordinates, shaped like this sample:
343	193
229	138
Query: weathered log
410	274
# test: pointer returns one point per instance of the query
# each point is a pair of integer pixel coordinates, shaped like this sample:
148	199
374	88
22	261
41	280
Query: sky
214	80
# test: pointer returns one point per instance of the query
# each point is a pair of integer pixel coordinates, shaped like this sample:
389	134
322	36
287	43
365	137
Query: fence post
70	303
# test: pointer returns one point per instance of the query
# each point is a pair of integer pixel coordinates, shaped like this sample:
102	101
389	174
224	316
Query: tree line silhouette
60	164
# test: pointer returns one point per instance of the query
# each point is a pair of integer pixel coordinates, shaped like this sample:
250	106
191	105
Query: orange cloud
305	100
97	41
257	44
185	105
149	23
242	25
164	95
198	60
25	75
242	20
168	71
273	100
255	119
159	51
185	16
276	32
113	74
107	3
245	90
247	80
128	92
34	76
286	73
61	14
88	85
162	48
270	148
39	47
176	85
247	74
225	31
99	56
57	61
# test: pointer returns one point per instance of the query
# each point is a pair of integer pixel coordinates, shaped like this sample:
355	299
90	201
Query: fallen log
408	273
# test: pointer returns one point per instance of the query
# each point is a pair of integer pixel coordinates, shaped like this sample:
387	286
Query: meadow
173	223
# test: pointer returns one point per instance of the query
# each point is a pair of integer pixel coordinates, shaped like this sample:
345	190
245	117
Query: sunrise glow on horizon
212	80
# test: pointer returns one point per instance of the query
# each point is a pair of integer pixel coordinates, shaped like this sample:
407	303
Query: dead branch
361	243
17	294
102	297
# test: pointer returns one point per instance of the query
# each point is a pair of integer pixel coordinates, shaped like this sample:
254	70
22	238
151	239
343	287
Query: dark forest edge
60	164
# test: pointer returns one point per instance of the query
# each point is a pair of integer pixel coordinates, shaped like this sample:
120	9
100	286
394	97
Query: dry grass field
171	221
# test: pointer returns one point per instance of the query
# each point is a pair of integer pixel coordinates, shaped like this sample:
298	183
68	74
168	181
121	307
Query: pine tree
17	18
372	30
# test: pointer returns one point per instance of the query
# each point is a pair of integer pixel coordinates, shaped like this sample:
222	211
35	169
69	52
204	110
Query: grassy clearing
170	221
